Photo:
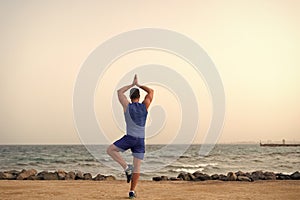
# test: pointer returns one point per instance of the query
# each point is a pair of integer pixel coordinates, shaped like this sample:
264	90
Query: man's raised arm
148	98
122	98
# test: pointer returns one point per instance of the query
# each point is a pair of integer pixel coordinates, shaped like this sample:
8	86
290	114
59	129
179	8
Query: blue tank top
135	117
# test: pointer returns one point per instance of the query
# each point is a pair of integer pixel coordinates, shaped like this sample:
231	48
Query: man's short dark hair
134	93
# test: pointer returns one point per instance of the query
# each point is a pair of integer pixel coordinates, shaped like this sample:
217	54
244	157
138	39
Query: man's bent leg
113	151
136	173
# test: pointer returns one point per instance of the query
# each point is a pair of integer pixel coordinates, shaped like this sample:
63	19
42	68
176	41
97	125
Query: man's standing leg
136	173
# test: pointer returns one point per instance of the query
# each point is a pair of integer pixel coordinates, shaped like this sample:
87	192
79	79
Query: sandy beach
149	190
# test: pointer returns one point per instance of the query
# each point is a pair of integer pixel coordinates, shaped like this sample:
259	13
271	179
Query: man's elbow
119	91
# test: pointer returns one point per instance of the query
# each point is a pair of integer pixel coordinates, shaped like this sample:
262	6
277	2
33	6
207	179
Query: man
135	118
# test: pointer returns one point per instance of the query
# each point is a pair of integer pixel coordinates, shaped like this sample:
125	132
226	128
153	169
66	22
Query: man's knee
109	149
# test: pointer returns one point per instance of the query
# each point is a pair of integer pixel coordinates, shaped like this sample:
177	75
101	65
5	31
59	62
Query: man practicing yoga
135	118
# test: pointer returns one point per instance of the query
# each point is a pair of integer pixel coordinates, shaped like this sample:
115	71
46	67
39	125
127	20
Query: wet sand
276	190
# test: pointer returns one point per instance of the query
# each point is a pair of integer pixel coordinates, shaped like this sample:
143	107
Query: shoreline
117	189
32	174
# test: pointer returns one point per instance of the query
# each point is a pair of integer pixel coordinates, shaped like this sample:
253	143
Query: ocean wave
34	163
283	154
59	162
185	170
257	161
188	166
86	164
22	164
184	156
105	159
285	166
38	159
84	160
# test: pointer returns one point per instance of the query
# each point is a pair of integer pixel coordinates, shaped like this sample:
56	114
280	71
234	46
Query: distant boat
279	145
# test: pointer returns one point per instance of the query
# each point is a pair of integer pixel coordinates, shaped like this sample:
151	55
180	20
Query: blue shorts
136	145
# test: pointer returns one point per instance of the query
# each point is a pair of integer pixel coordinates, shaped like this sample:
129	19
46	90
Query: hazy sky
254	44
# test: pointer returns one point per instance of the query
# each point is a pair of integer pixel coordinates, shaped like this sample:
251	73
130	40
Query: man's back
135	117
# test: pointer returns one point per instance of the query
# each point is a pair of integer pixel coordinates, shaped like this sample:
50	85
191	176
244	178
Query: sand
149	190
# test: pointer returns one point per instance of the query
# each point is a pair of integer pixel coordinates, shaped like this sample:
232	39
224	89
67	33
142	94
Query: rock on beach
25	174
32	174
231	176
295	176
243	178
70	176
237	176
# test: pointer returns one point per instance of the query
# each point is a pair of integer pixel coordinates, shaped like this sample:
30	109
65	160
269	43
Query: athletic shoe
129	172
132	195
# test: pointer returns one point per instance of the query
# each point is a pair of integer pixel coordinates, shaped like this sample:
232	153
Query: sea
223	158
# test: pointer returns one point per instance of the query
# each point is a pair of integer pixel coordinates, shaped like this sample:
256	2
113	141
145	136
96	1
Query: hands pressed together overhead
135	81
